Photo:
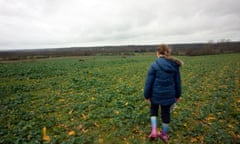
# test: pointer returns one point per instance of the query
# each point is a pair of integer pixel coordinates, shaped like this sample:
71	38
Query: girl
162	87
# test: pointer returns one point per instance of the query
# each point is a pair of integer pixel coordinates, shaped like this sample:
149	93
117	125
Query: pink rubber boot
163	136
154	134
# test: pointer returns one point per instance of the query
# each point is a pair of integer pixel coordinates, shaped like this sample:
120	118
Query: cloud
60	23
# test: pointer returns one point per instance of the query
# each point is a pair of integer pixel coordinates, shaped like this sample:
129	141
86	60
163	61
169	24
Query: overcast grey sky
64	23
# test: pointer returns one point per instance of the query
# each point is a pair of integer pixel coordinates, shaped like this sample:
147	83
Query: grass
99	99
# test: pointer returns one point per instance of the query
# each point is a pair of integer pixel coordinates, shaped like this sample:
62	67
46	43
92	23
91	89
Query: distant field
99	99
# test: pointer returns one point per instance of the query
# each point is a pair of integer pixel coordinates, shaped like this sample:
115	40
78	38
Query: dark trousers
165	112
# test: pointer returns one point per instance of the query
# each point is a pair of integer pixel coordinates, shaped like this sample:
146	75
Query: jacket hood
173	59
168	64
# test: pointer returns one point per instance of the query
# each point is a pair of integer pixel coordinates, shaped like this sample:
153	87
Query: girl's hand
173	107
147	100
177	99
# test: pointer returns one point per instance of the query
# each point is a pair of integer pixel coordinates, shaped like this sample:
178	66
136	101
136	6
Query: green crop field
99	99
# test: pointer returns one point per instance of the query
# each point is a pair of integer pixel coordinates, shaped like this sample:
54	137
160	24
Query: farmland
99	99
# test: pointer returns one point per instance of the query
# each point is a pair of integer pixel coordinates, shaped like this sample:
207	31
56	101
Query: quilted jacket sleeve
149	82
178	83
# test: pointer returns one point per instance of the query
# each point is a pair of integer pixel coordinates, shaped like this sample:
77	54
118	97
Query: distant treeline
206	48
195	49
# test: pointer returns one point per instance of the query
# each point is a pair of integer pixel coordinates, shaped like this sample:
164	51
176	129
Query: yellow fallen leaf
95	123
84	116
100	141
238	109
116	112
80	127
230	126
61	100
210	117
70	112
84	130
185	125
126	103
71	133
45	136
238	101
193	140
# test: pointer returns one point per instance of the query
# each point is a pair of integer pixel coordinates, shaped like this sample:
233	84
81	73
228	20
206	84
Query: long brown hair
164	49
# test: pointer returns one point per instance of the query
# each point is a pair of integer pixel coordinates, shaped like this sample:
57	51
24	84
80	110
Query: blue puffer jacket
163	83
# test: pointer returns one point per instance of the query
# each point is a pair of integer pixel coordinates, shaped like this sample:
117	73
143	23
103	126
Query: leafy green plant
100	100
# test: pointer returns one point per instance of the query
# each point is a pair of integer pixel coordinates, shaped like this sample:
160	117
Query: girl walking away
162	89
